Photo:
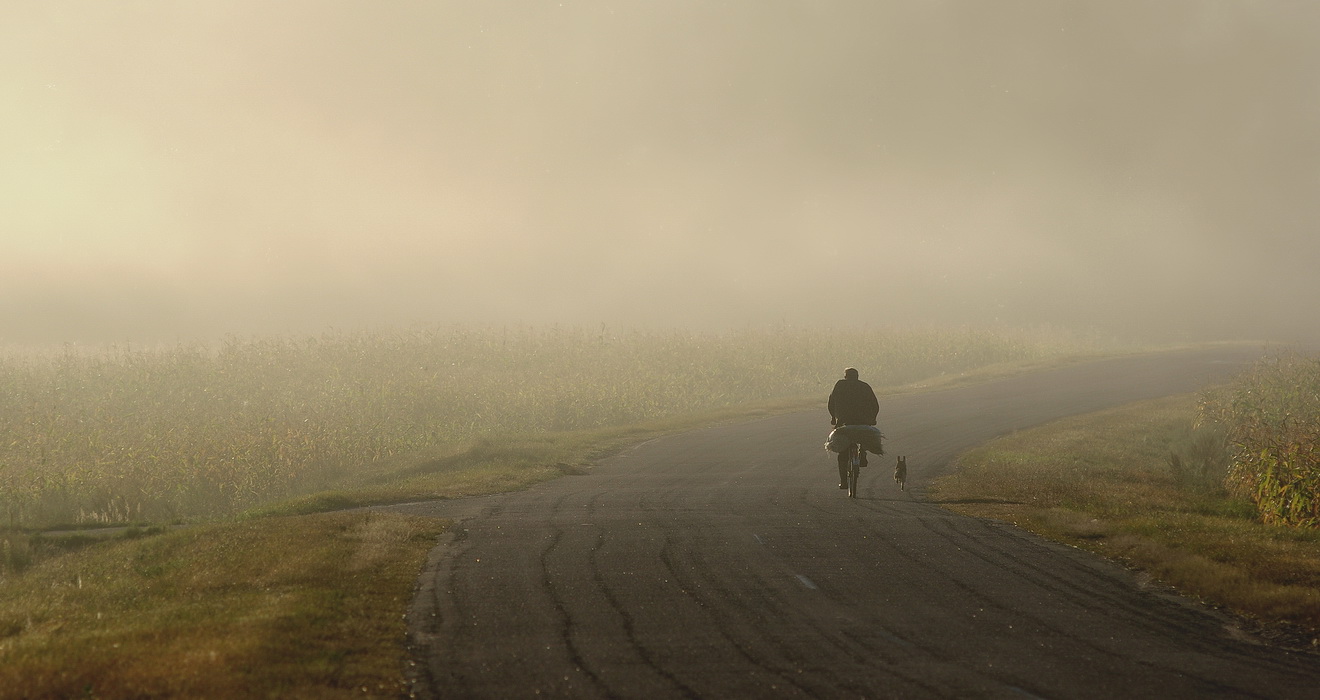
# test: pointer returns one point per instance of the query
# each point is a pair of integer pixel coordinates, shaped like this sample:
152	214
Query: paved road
725	563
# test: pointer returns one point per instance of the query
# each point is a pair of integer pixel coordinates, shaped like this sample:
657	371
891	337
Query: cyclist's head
850	373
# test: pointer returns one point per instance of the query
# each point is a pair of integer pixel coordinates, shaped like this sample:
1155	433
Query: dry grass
1105	482
309	606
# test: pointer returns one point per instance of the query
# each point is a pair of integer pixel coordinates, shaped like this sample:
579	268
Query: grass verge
1105	482
307	606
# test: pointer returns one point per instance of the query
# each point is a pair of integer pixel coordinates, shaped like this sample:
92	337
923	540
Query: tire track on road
717	610
547	581
836	604
630	630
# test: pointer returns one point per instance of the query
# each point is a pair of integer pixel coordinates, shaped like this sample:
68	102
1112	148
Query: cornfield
1272	415
189	432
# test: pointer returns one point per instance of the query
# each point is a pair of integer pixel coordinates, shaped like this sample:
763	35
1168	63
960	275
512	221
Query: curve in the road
725	563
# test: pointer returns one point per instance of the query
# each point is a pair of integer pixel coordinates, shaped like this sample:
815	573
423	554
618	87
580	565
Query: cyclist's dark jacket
853	403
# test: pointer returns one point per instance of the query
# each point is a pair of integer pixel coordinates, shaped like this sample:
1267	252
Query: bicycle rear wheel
854	470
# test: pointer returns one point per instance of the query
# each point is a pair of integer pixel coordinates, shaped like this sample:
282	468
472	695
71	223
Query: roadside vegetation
1271	419
1209	493
232	579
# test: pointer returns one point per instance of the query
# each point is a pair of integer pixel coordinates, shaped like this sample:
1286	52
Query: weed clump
1199	460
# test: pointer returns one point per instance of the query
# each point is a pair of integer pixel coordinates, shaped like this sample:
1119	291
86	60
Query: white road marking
808	582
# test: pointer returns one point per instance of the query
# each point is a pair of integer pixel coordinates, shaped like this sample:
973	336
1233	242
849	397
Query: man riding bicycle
852	402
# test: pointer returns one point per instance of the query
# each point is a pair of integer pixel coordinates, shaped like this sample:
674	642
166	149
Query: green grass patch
1108	482
307	606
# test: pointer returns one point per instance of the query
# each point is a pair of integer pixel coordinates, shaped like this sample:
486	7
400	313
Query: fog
184	170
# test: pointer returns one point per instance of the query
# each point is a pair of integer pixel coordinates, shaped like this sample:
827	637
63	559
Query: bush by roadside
1270	416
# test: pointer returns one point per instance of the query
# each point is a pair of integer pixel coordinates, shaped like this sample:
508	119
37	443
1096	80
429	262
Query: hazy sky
182	169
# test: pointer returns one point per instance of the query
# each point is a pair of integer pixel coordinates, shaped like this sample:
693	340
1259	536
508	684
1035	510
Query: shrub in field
1272	415
195	431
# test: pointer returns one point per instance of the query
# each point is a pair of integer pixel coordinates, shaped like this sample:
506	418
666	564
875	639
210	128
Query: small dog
900	473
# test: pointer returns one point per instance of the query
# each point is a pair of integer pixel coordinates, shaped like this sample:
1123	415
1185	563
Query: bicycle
854	468
851	443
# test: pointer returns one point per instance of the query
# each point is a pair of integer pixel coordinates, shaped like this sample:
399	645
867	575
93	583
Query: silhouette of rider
852	402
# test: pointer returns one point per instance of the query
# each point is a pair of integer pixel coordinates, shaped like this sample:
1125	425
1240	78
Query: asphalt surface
725	563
